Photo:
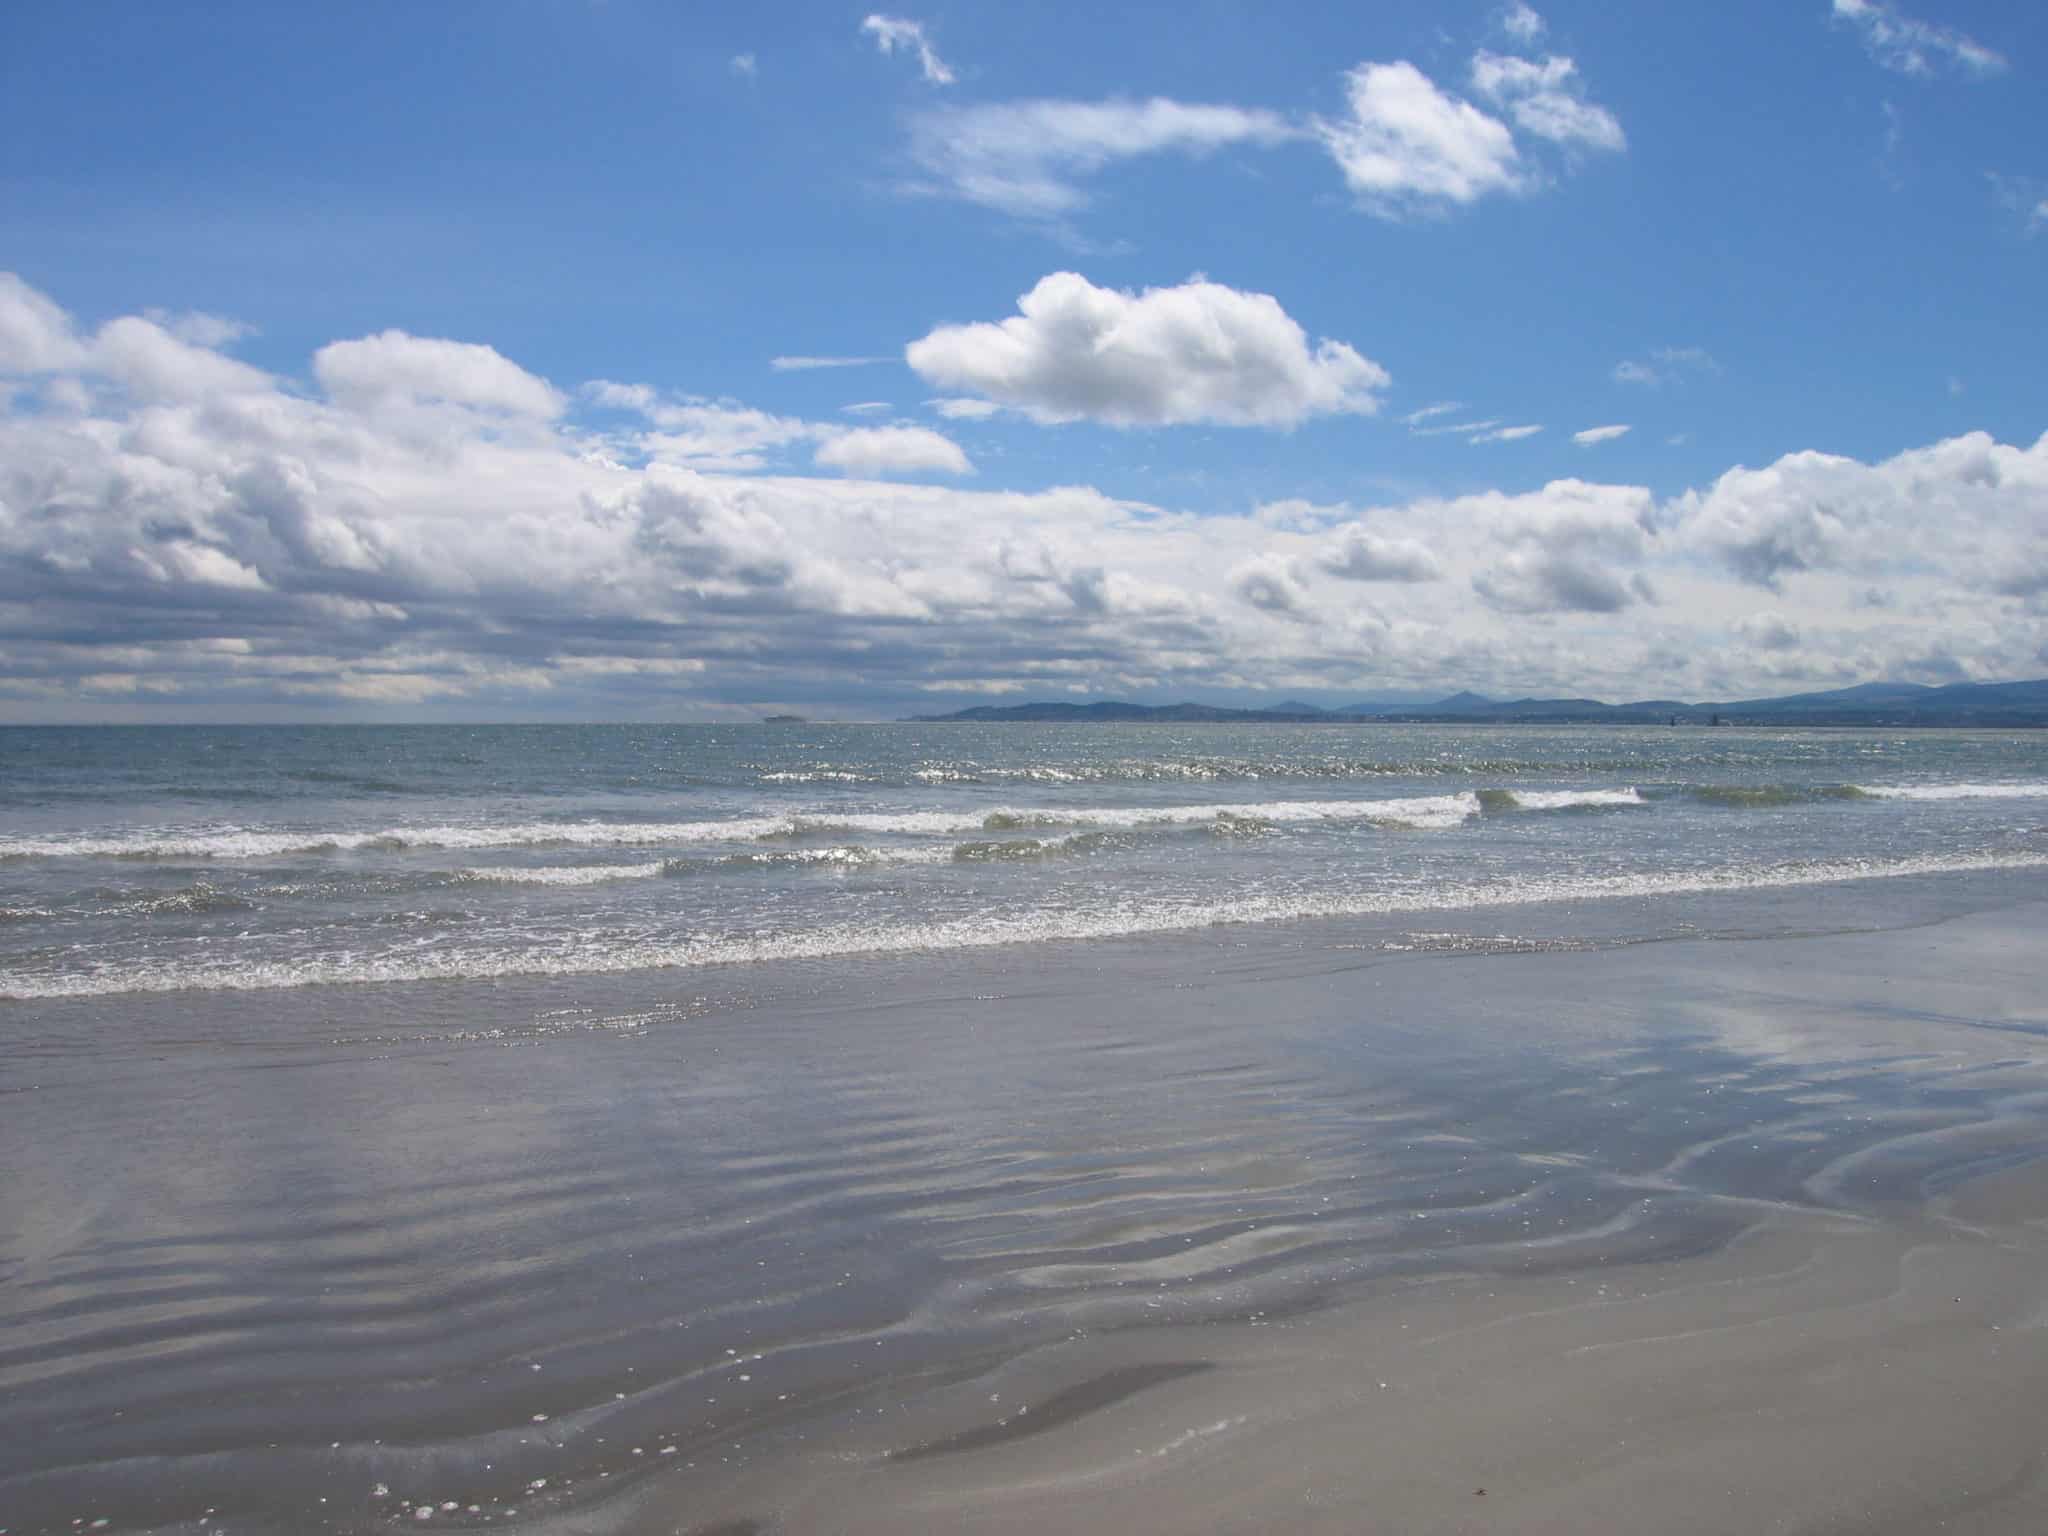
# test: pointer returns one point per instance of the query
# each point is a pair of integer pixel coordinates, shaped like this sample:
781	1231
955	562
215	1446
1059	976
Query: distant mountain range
1958	704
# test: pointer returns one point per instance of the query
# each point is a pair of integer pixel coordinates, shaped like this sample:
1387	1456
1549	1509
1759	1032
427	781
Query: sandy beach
1866	1355
1233	1232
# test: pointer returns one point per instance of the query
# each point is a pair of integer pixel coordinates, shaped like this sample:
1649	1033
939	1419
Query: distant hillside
1462	703
1112	712
2020	704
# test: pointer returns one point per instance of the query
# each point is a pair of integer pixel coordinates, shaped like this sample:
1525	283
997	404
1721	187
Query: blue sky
1303	278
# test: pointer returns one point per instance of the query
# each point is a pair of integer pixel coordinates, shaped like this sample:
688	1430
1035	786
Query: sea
637	1127
206	859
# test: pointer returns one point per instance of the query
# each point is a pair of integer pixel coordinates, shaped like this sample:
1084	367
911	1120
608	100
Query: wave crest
2016	791
1114	920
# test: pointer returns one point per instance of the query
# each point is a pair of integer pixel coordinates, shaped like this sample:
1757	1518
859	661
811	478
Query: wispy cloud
1545	98
956	408
801	364
1404	143
1431	412
1522	23
744	65
1592	435
2024	196
1664	365
1912	47
1029	158
1894	140
893	32
1493	429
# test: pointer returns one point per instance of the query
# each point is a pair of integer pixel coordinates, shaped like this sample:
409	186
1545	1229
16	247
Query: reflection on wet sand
1129	1242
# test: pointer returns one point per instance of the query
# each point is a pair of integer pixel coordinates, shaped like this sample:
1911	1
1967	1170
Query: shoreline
945	942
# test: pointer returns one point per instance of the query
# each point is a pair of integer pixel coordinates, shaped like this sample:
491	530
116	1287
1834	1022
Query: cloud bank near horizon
420	526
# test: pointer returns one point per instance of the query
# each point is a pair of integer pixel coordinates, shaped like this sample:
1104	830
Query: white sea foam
1572	799
845	856
602	952
241	843
246	843
562	874
1416	811
1421	811
778	858
1955	791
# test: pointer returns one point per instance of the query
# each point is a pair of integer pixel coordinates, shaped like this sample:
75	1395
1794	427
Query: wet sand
1240	1234
1817	1376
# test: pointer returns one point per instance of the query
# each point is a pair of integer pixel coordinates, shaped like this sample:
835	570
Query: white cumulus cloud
395	367
1545	98
1358	555
1768	631
35	335
1270	583
197	539
1405	144
1532	581
1970	506
152	364
199	327
1198	352
702	434
893	451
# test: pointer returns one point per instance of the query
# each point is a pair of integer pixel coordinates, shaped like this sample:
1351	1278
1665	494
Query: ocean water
277	857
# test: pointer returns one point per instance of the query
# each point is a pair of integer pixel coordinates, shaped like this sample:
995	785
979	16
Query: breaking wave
241	843
603	952
1955	791
1421	812
185	901
1558	799
1764	796
560	874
